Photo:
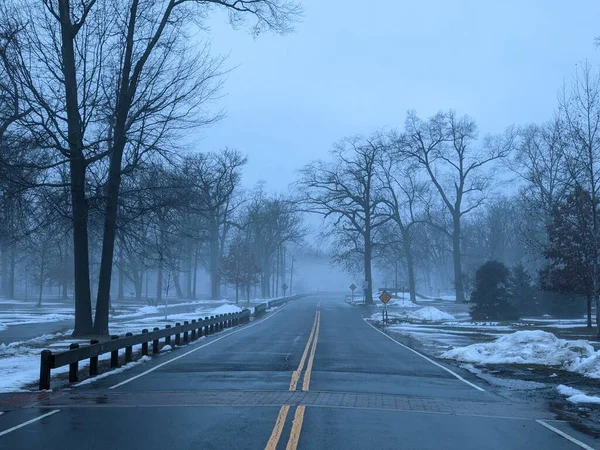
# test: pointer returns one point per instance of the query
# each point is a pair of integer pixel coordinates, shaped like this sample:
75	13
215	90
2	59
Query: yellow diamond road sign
385	297
352	286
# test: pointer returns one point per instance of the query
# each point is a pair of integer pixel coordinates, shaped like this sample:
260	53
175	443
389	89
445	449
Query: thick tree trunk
589	310
410	266
456	256
138	283
82	289
215	270
77	167
65	294
189	267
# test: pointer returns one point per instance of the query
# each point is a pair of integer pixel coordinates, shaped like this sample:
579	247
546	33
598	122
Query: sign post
352	288
385	298
284	287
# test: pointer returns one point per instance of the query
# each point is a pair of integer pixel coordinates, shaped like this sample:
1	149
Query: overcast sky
356	67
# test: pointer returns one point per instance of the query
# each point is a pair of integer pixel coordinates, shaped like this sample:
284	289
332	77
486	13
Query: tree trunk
189	265
159	283
367	261
11	277
138	283
215	276
588	304
195	273
456	256
4	284
176	281
410	266
82	289
77	167
237	297
65	294
41	279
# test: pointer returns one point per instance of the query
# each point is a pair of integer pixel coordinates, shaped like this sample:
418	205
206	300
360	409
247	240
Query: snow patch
430	314
2	326
166	348
143	311
575	395
226	309
533	347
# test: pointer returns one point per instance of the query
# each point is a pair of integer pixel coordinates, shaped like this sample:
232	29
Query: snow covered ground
533	347
19	361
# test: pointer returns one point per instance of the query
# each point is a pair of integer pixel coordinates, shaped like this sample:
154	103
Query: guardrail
182	333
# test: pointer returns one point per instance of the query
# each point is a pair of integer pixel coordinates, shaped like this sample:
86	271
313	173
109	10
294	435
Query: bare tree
403	193
445	147
348	192
214	179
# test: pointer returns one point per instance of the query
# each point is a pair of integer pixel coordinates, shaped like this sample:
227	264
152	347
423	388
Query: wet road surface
310	375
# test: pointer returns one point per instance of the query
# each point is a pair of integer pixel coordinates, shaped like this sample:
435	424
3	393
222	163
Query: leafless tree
347	191
446	148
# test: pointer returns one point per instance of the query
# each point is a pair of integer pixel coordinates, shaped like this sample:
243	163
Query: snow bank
140	312
226	309
430	314
533	347
575	395
2	326
398	303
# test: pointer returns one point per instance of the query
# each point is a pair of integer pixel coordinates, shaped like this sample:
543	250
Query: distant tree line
429	203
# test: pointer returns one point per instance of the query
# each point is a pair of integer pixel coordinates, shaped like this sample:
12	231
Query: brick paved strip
278	398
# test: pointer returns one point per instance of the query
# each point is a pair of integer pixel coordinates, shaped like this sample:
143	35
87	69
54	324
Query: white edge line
158	366
425	357
565	435
10	430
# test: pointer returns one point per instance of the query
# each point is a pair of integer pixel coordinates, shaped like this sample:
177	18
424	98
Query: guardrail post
145	344
185	333
211	328
177	335
74	366
194	330
45	366
155	342
114	355
206	328
93	361
168	338
128	351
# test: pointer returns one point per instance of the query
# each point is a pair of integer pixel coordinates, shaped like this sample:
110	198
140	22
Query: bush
525	296
491	298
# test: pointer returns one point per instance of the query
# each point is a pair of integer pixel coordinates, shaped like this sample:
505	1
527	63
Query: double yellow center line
309	352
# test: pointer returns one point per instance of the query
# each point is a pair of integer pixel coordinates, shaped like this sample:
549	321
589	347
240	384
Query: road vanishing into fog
310	375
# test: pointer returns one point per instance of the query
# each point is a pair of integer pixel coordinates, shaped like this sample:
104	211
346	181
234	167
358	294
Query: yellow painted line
310	348
306	383
279	424
296	374
296	428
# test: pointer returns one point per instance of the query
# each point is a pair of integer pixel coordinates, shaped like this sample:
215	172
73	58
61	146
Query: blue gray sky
356	67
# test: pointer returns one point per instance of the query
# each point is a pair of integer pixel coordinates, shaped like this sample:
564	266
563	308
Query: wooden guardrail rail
182	333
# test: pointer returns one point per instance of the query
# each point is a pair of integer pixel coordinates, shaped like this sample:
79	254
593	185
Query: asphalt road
311	375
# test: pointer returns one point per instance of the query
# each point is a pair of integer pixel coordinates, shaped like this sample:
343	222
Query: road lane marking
307	374
296	374
158	366
279	424
426	358
10	430
565	435
299	414
296	428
